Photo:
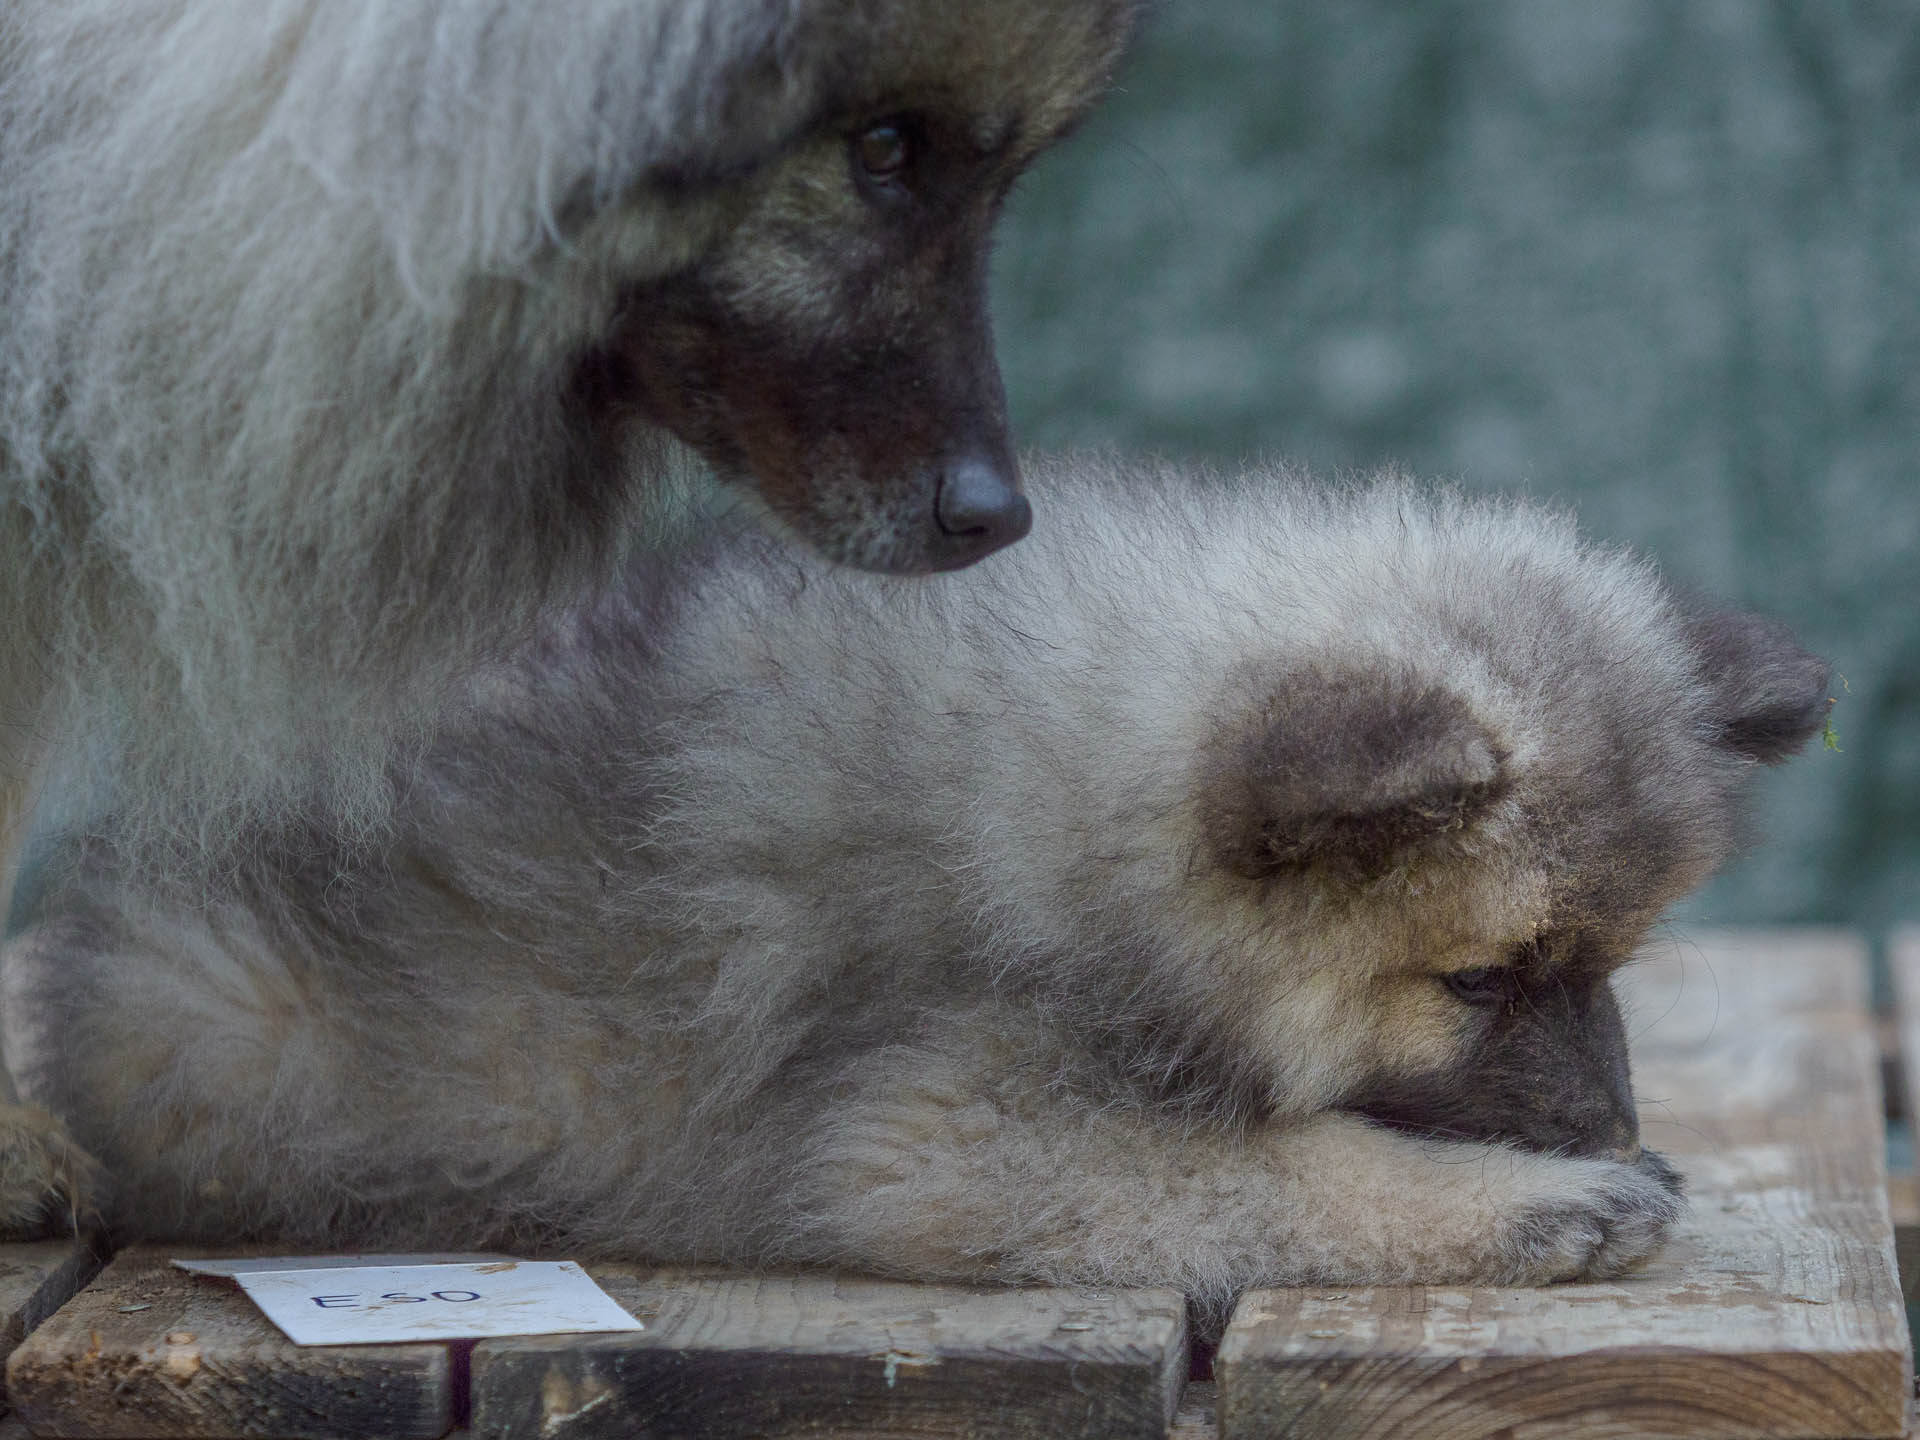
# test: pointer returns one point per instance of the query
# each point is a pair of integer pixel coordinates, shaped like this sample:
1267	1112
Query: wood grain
1774	1311
818	1355
148	1350
1903	1200
36	1279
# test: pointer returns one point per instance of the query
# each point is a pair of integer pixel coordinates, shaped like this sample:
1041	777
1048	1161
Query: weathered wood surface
36	1279
1903	958
1903	1191
1197	1418
731	1356
1903	1200
148	1350
1775	1310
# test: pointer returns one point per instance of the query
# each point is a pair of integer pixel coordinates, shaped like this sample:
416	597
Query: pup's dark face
1460	864
832	352
1540	1060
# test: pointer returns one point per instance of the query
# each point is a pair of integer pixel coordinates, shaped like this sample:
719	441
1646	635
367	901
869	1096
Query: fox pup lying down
1220	889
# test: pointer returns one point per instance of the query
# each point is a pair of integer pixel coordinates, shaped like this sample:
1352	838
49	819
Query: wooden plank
1774	1311
37	1278
1893	1082
148	1350
1196	1419
1903	1201
1903	1191
1903	959
819	1355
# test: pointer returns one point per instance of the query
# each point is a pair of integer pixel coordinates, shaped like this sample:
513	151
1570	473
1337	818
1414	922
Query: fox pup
1222	888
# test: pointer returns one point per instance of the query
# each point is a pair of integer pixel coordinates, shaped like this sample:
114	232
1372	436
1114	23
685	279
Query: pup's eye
1485	986
883	152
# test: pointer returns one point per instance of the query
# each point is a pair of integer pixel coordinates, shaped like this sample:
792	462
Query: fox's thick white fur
340	337
276	348
1035	924
293	300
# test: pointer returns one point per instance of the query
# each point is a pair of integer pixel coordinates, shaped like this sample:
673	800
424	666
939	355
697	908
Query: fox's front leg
993	1183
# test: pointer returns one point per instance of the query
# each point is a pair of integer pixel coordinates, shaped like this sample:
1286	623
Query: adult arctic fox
1141	907
336	336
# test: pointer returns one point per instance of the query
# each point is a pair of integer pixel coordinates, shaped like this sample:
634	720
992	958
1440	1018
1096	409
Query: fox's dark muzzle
875	428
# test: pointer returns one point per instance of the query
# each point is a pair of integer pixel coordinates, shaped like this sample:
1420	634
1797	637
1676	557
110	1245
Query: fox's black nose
979	509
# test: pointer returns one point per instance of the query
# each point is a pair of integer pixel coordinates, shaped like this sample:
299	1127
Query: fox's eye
1485	986
883	152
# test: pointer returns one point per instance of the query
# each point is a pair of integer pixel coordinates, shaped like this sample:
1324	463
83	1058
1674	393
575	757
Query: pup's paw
47	1183
1592	1219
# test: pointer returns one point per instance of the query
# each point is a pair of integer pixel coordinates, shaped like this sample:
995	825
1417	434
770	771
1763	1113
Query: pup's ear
1770	696
1348	770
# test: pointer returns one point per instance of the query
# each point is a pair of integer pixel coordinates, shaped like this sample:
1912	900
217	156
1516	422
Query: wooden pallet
1775	1311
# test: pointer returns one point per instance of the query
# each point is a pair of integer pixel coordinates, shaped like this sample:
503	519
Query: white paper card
381	1304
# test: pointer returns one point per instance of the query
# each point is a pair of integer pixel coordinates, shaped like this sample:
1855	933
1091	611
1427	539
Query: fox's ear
1347	770
1769	695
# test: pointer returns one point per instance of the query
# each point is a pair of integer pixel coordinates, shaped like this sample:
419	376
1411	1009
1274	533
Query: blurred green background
1657	262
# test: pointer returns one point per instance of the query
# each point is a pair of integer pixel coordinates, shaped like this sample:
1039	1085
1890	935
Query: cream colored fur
766	914
292	295
282	315
341	339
